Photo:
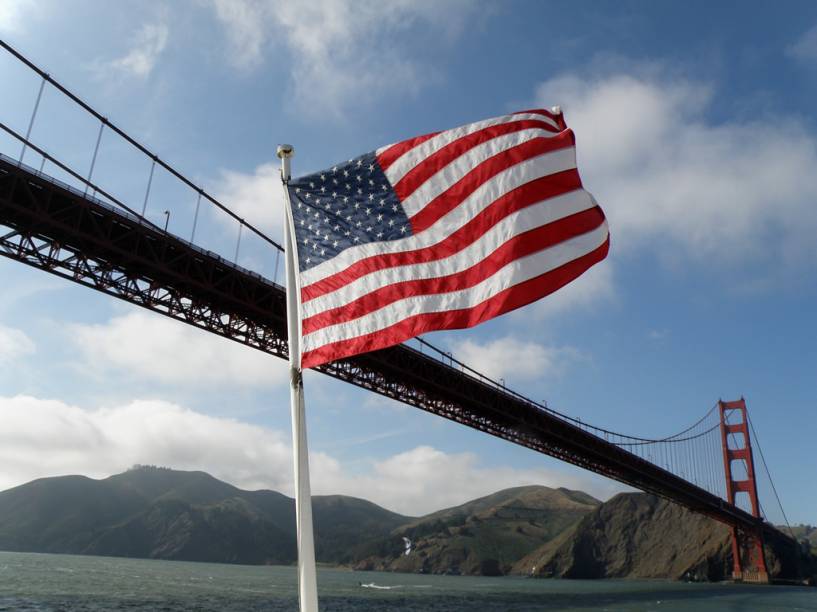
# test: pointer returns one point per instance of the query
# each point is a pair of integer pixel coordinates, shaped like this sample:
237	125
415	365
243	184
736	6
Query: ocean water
62	583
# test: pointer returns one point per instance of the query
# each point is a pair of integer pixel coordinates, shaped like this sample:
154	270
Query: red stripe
482	173
558	119
525	195
396	151
442	157
520	246
510	299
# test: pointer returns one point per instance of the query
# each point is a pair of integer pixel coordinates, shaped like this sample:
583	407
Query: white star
308	259
346	233
323	251
297	190
335	243
380	217
348	186
345	173
336	228
391	222
359	191
371	182
384	187
371	197
358	224
308	196
335	181
357	205
359	178
300	205
371	167
334	168
357	238
359	163
334	194
368	228
379	234
403	230
394	207
323	189
323	177
302	221
312	185
382	201
349	218
368	211
345	199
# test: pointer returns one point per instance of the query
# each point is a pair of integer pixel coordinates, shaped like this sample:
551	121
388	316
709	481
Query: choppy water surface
63	583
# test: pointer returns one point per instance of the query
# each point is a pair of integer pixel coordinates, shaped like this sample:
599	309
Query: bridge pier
748	558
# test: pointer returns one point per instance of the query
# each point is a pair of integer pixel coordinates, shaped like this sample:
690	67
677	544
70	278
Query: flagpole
307	581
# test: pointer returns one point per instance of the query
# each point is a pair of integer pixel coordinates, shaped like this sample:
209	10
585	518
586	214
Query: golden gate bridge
79	230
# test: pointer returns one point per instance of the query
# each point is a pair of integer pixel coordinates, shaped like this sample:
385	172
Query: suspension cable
768	474
136	144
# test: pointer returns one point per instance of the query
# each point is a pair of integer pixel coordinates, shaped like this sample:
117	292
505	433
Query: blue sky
695	132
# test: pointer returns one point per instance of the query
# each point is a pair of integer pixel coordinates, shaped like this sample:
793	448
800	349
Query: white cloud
12	13
14	344
258	198
47	438
41	438
805	47
342	52
591	290
513	359
160	349
721	192
426	479
148	44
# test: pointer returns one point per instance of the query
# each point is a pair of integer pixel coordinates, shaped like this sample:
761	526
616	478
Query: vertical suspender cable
196	217
238	242
150	181
93	159
33	116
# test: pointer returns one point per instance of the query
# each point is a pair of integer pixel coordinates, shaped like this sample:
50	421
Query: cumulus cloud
102	441
805	47
47	437
12	13
14	344
425	479
256	197
514	359
142	344
591	290
716	191
148	44
341	51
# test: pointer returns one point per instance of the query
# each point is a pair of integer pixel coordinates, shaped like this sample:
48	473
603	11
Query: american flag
441	231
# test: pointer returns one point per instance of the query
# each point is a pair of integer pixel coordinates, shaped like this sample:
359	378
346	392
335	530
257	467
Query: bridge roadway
56	228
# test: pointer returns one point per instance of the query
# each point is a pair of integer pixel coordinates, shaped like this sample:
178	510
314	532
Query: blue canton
350	204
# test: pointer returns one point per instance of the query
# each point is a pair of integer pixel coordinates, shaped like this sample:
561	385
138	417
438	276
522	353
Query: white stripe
465	163
514	273
505	181
403	164
531	217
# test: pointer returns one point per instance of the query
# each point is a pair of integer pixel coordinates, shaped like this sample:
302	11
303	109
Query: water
62	583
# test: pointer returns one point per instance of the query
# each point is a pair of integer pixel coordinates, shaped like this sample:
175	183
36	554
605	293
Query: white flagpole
307	581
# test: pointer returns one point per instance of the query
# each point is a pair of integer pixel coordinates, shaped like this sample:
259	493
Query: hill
168	514
636	535
485	536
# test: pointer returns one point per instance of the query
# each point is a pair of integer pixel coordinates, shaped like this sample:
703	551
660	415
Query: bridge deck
65	232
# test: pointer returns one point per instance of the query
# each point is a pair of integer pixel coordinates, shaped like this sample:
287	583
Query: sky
695	132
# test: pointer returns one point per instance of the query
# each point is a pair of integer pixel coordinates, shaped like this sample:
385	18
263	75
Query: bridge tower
748	559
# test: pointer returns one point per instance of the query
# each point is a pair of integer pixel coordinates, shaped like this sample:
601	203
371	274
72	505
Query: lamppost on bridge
167	219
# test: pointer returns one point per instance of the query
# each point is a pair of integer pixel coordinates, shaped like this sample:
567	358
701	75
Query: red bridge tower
749	561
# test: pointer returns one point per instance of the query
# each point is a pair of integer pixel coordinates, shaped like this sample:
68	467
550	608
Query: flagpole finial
285	152
556	110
